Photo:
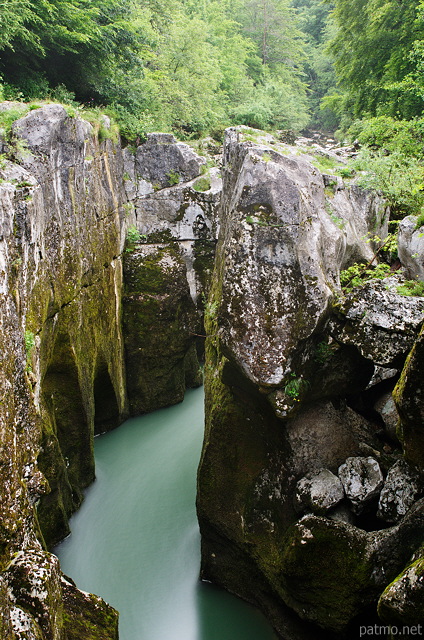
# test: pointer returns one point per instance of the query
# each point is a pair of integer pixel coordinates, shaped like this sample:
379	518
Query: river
135	540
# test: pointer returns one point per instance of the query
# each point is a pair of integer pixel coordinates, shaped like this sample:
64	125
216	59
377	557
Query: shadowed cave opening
67	436
107	415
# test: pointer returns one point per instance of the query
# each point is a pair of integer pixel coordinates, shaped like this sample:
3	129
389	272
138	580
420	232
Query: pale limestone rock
362	481
401	489
319	492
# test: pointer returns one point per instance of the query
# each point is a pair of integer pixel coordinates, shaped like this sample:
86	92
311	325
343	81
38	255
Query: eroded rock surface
411	247
402	602
67	202
401	489
319	493
362	481
294	368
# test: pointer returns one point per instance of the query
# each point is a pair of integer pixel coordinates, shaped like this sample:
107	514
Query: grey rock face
386	407
362	480
163	161
381	323
282	252
411	247
322	436
401	489
319	493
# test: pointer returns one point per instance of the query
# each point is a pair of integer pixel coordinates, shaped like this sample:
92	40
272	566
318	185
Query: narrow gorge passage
135	541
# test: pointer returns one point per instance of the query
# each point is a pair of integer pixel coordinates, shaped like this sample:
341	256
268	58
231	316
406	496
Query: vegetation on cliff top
183	65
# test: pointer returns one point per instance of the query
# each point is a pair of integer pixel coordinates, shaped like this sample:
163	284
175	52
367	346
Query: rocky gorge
112	261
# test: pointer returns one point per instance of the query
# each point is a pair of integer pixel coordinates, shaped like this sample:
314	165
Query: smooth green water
135	541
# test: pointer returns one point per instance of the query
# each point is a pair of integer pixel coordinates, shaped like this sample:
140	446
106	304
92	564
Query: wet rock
283	238
402	602
381	323
268	228
322	435
362	481
319	493
380	374
33	577
163	161
401	489
411	247
157	299
88	617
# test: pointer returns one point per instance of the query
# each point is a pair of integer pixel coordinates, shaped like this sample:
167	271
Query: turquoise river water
135	540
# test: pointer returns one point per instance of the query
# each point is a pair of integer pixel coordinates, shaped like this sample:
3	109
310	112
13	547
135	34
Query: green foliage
391	135
296	387
211	308
8	116
345	172
411	288
324	352
315	22
399	177
373	48
420	220
359	274
173	177
202	184
181	65
324	163
133	238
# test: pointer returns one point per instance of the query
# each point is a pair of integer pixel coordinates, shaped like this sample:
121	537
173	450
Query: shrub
398	177
411	288
359	274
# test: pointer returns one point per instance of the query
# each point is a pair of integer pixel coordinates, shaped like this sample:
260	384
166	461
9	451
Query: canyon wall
310	483
98	320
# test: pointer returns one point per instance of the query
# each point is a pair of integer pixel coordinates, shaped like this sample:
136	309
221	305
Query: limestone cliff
310	484
300	472
68	196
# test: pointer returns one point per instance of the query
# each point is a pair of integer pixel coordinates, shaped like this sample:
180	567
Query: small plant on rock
173	177
296	387
29	340
133	238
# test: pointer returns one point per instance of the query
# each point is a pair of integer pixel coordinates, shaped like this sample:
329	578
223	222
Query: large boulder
409	399
276	405
386	408
402	487
280	251
163	161
319	492
379	322
160	323
362	481
402	602
411	247
331	570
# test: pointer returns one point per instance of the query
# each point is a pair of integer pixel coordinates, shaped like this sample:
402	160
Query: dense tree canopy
377	50
188	65
198	65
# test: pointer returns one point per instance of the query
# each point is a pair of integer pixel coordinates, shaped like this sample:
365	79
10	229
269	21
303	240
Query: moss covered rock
284	393
402	602
409	399
160	323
